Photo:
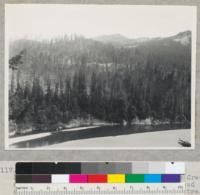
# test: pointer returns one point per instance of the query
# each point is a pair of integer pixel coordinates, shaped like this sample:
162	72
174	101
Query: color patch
175	168
116	178
106	168
152	178
89	168
23	178
156	168
171	178
60	178
41	178
78	178
123	168
23	168
97	178
134	178
140	167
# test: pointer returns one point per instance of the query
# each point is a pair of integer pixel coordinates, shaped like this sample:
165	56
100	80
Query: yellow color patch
116	178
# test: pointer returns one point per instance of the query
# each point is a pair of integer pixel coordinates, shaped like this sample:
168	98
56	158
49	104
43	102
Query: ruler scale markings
106	192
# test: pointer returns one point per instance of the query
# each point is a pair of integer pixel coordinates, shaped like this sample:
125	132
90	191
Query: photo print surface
99	76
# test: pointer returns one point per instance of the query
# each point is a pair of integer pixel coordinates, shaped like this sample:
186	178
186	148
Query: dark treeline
60	80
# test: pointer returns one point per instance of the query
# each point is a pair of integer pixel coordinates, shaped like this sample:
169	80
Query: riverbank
44	129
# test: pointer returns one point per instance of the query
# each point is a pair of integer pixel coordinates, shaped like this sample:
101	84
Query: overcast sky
42	21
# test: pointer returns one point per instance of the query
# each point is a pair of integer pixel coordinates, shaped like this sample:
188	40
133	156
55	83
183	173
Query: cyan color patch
152	178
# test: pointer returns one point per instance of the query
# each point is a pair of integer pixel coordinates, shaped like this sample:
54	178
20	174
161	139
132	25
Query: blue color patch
152	178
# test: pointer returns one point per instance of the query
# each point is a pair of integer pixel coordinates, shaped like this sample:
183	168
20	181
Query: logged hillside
63	79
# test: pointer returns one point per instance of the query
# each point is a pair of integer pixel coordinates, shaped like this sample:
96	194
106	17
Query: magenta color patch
77	178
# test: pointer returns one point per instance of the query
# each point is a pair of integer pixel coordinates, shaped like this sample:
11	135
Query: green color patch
134	178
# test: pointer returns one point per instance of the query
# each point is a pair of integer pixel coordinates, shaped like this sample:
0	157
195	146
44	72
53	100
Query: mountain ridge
118	39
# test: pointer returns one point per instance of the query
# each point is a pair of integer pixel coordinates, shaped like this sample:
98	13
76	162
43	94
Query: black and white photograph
99	76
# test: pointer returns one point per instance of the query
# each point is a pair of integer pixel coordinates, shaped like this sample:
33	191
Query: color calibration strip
101	168
114	172
100	178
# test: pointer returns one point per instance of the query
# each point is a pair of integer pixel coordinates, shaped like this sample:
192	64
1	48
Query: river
103	131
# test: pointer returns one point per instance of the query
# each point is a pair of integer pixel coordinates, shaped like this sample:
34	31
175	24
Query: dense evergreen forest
73	77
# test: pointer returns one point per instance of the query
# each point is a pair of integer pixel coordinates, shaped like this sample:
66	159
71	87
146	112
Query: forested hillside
74	77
